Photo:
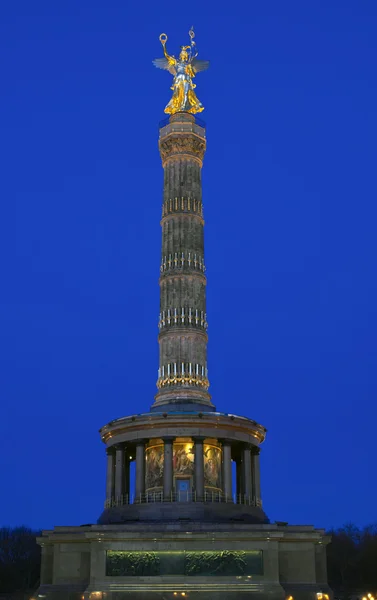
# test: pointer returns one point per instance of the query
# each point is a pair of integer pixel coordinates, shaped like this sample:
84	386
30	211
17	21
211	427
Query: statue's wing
164	63
199	65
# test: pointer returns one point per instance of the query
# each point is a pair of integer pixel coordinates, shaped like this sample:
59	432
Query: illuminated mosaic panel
212	466
183	464
187	563
154	467
183	459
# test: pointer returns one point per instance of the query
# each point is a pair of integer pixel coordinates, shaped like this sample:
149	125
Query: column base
182	401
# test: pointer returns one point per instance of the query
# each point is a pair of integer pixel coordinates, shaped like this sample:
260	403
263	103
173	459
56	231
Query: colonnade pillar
126	482
247	479
256	476
168	469
199	468
119	471
227	470
140	471
239	478
110	482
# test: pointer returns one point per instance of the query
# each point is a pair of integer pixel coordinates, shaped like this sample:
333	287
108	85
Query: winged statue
184	68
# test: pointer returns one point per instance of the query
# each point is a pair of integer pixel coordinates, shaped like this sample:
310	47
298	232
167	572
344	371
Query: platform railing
182	497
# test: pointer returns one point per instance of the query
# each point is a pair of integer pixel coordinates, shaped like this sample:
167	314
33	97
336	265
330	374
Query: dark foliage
352	559
20	559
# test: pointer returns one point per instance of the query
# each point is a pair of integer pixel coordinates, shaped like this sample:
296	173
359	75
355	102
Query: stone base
183	561
205	512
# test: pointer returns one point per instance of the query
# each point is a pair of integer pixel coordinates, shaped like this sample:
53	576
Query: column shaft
199	469
110	474
239	489
126	479
168	469
227	462
256	477
247	481
182	372
140	472
119	472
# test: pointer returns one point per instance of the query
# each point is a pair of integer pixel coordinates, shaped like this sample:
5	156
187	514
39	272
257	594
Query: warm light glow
183	594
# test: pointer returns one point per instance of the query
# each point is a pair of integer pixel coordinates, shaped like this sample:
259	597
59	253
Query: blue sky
289	189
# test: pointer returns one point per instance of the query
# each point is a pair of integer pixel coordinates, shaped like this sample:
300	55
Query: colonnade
247	469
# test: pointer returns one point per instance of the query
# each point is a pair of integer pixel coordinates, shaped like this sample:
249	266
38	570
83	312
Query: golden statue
184	70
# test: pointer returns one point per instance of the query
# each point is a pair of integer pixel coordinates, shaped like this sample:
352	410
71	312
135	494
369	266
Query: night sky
289	190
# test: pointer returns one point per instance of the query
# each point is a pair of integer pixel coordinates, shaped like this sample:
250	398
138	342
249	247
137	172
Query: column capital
118	447
110	451
248	446
255	450
140	442
225	441
198	439
169	439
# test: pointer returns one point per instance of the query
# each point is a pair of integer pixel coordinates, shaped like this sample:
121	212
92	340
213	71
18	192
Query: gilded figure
184	68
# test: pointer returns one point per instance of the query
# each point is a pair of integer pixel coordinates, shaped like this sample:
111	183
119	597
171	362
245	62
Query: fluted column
119	472
110	482
182	373
199	468
168	469
140	471
227	468
247	480
256	476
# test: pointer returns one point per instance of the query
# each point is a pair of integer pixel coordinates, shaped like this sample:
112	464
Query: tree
19	559
352	559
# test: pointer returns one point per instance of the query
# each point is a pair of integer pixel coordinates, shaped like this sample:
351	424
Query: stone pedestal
155	560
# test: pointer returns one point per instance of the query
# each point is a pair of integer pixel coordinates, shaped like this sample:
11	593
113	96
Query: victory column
190	523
